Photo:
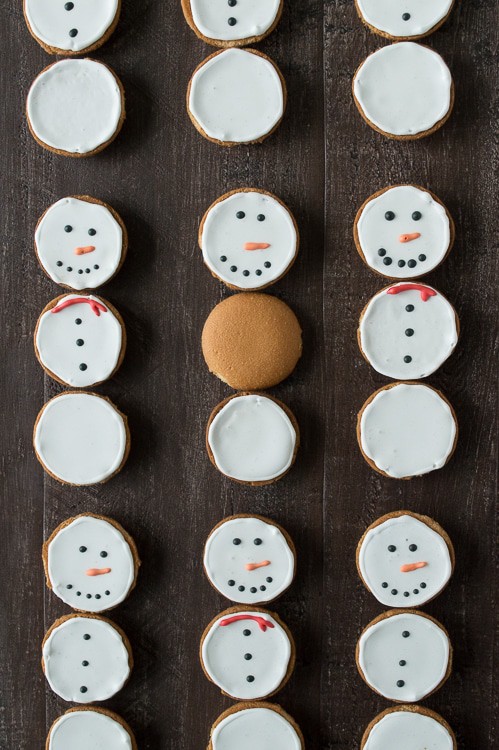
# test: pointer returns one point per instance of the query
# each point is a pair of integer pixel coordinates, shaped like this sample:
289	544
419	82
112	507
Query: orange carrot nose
84	250
409	237
412	566
97	571
254	566
256	245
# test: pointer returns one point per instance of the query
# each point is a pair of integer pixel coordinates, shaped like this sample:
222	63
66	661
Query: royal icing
80	438
407	430
71	26
88	730
250	728
408	730
236	96
416	18
75	106
234	20
404	89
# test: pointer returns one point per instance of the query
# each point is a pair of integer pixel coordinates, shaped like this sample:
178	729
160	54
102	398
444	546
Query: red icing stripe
425	291
95	306
262	623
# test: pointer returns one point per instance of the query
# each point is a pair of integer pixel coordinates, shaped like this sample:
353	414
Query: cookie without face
232	23
408	728
417	19
75	728
255	724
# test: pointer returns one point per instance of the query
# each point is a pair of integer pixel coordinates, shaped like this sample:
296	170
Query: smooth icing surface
389	245
253	728
90	564
404	657
252	439
88	730
248	560
84	669
80	438
249	240
407	430
404	88
217	19
75	106
408	333
414	18
407	730
73	28
236	96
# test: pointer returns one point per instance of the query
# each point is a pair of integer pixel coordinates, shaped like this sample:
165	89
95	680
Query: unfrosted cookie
236	96
249	239
253	724
90	728
414	20
76	107
232	23
408	728
404	91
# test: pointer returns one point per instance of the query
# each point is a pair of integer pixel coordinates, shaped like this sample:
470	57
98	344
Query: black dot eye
392	548
260	217
413	547
257	541
409	308
240	215
236	541
389	216
68	228
103	553
83	549
92	232
417	215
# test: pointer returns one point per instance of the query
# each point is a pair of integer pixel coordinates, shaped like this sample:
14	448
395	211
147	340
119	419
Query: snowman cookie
256	724
418	18
404	91
236	96
249	653
90	728
408	331
232	23
86	658
408	728
76	107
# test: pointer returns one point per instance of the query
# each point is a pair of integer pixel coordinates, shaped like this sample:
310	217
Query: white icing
225	561
80	438
379	564
404	89
407	730
223	653
253	18
387	322
66	650
236	96
88	730
76	550
407	430
75	106
252	728
388	15
52	23
252	439
376	233
226	236
426	653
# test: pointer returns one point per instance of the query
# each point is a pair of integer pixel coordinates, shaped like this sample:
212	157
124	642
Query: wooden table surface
161	175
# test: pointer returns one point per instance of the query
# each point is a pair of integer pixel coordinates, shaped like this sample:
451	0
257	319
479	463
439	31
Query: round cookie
404	655
90	562
249	239
408	728
405	559
251	341
404	91
86	658
81	438
232	23
406	430
76	107
414	21
255	724
408	331
236	96
248	652
90	728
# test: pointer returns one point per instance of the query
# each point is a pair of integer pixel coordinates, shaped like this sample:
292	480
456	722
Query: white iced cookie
403	232
408	331
408	728
404	90
232	23
406	430
90	728
236	96
248	653
413	20
249	239
81	438
86	658
76	107
263	725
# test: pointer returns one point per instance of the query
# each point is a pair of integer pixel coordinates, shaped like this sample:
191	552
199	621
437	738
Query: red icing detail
95	306
262	623
426	292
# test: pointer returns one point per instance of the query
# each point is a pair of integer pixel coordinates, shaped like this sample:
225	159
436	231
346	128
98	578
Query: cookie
405	559
86	658
236	96
249	239
232	23
79	726
74	28
248	652
90	562
249	559
408	330
414	21
403	232
251	341
404	91
404	655
255	724
408	728
81	438
76	107
405	430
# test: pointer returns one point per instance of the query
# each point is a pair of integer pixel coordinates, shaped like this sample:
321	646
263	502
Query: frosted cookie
404	655
408	331
413	21
236	96
90	728
74	28
405	559
86	658
81	438
405	430
232	23
403	232
404	91
251	341
255	724
90	562
76	107
408	728
249	653
249	239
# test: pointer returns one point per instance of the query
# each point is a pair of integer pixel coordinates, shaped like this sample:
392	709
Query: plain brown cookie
385	35
256	704
187	10
411	709
98	710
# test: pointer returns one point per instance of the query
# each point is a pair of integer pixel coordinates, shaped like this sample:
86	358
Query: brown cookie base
386	35
97	710
224	43
411	709
257	704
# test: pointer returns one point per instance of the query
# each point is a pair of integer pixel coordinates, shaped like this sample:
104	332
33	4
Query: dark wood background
161	175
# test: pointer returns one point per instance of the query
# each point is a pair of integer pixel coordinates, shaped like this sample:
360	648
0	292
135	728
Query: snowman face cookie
90	729
226	23
417	18
264	726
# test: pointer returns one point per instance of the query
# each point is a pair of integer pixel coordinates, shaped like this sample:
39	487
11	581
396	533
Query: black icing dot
78	593
78	321
389	216
401	263
73	32
260	217
405	634
416	215
391	548
96	267
246	273
86	637
416	591
103	553
84	664
413	547
384	585
97	596
231	583
231	21
246	632
83	549
223	258
236	541
250	678
387	261
382	251
257	541
79	342
402	662
406	16
422	585
400	683
92	232
422	257
107	593
263	588
68	228
69	6
83	366
248	656
83	689
69	269
87	270
89	596
258	272
240	215
407	359
233	269
394	592
69	586
231	3
80	270
241	588
253	590
406	593
409	308
267	264
411	263
59	263
409	332
269	579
